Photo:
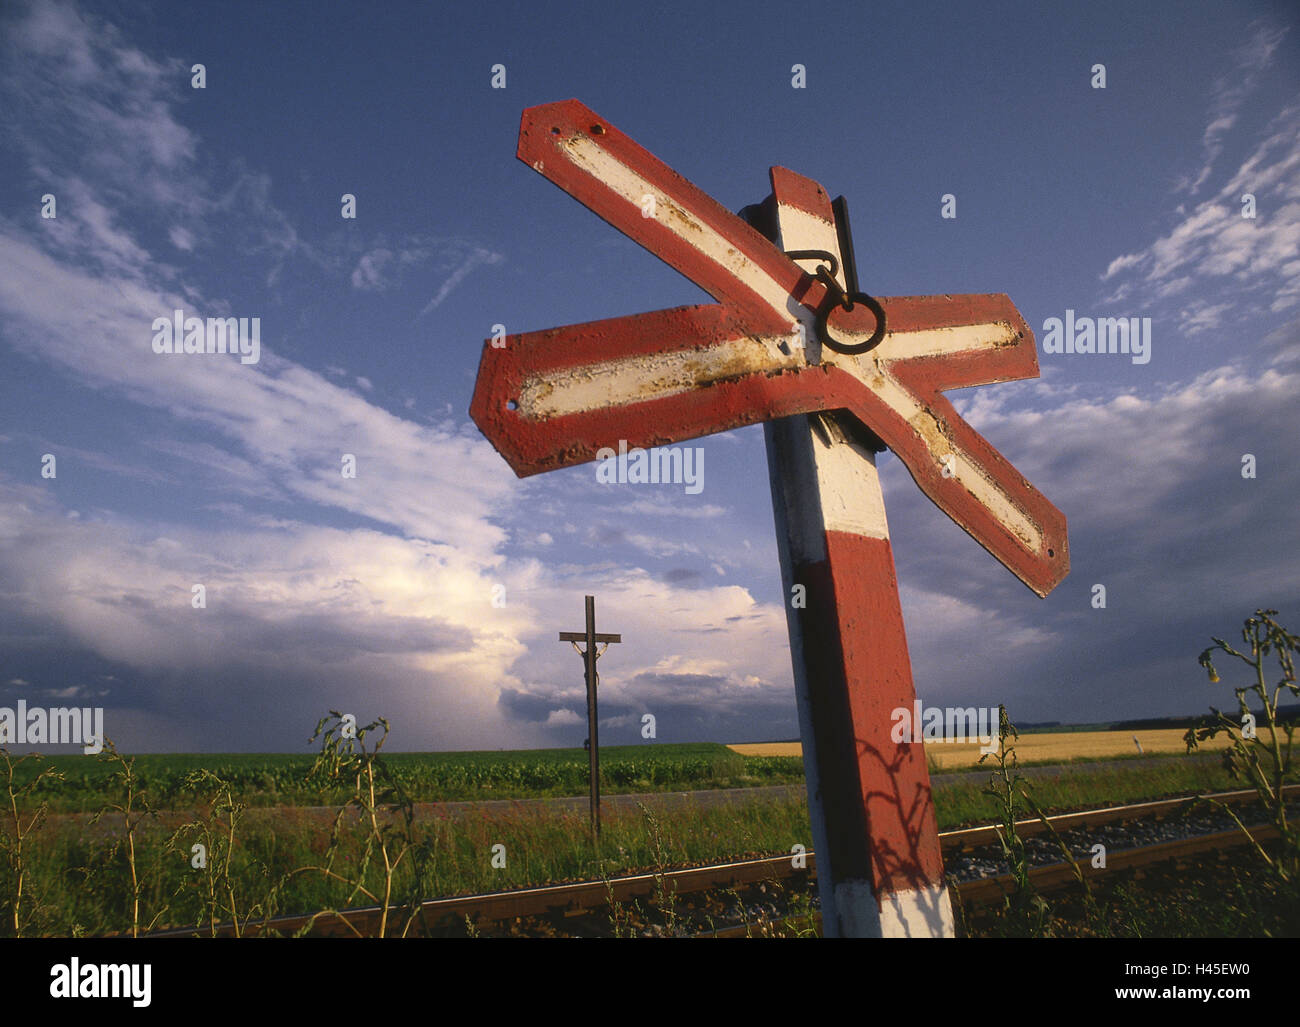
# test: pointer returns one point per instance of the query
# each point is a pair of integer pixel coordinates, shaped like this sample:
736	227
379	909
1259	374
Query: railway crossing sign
835	375
553	398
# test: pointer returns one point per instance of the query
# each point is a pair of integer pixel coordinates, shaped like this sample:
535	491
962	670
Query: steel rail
973	837
1055	876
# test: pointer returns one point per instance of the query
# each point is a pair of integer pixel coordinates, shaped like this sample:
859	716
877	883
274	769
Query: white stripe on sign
936	342
625	380
597	162
902	913
925	912
846	496
638	379
873	369
849	489
618	381
809	232
960	467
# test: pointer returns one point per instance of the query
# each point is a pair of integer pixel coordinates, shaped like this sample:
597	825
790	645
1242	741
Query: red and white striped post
879	868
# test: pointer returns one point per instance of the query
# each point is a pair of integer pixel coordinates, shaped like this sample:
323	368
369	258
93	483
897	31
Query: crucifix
590	639
836	375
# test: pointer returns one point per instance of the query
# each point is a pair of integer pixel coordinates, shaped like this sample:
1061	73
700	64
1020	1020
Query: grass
278	779
80	879
261	780
78	887
1223	896
962	802
542	846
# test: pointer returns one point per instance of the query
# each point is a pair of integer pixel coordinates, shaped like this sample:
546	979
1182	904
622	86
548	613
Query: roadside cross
590	638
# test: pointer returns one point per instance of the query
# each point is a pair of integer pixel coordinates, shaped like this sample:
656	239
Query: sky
374	594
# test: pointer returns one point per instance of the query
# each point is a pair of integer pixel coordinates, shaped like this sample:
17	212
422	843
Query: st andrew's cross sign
833	374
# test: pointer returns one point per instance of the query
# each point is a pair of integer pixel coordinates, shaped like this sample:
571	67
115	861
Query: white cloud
1230	91
1201	317
477	257
290	421
1122	264
300	595
1158	512
368	274
1213	245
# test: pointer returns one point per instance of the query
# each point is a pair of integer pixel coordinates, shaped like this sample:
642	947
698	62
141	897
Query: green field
77	873
280	780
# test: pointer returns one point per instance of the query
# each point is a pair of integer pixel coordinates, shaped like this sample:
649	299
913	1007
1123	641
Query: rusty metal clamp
816	255
837	297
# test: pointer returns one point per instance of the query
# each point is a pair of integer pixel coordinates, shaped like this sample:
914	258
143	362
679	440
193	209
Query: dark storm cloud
534	707
1159	514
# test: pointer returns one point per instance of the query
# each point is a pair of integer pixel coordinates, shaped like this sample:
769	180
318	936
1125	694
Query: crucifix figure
590	654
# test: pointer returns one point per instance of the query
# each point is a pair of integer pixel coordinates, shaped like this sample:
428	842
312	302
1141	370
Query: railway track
572	901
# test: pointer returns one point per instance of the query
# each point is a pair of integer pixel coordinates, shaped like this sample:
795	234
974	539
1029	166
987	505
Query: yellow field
768	749
1047	747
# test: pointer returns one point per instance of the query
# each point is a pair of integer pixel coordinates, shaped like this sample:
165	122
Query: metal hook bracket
837	297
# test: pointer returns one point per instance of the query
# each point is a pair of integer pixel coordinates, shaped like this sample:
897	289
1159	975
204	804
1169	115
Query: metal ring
848	302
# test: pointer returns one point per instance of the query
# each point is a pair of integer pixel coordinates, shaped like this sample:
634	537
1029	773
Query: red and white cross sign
554	398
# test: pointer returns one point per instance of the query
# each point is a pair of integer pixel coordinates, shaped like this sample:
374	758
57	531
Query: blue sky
373	594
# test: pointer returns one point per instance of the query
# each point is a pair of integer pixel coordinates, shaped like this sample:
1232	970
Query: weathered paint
554	398
694	371
610	174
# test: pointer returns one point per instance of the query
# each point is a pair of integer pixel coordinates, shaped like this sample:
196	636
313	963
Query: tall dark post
589	653
589	657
